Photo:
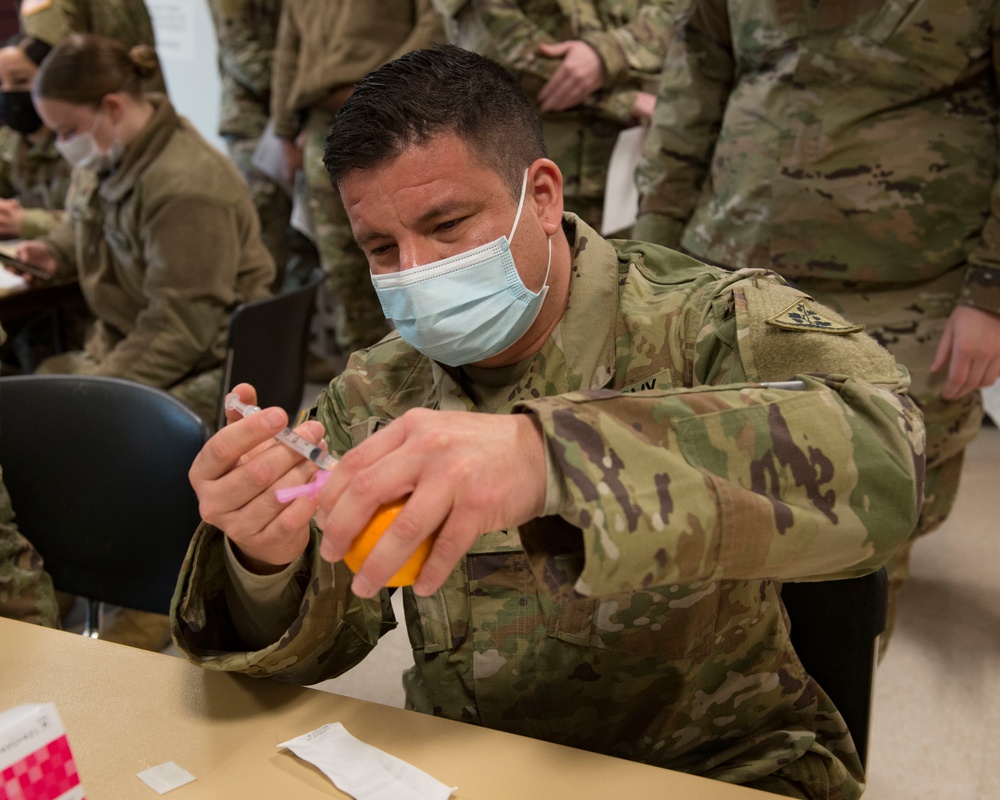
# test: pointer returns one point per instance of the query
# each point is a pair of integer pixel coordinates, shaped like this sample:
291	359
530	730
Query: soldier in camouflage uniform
323	49
591	65
851	147
126	21
247	31
34	178
162	235
26	591
615	496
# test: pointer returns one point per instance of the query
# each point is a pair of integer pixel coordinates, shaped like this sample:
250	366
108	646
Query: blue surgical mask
466	308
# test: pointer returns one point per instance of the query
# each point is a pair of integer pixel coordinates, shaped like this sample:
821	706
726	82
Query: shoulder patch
29	7
805	314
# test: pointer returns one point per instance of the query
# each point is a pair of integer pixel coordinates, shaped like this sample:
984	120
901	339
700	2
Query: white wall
185	43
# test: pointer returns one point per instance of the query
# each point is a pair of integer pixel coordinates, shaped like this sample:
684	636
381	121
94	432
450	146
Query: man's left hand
580	74
971	349
466	474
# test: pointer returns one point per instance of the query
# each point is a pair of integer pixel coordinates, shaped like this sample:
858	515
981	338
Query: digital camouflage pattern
125	20
246	32
851	147
26	591
631	39
38	177
165	247
323	47
644	620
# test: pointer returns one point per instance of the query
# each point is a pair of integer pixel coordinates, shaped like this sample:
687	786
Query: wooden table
126	710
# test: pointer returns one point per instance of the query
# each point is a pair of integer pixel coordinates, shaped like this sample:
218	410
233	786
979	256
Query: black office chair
96	469
267	348
835	630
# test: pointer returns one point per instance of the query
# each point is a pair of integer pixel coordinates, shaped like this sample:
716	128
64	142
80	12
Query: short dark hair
427	93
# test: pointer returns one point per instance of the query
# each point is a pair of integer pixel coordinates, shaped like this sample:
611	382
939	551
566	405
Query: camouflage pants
26	591
581	146
274	209
358	320
909	322
199	392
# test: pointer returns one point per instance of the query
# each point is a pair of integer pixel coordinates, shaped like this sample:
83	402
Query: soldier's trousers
358	320
909	321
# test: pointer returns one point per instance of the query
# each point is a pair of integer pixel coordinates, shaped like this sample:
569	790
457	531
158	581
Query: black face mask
18	112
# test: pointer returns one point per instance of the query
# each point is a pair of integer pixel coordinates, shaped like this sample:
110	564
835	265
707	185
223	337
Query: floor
937	710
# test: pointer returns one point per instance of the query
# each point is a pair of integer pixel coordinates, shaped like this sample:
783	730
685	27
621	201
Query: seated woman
33	177
161	232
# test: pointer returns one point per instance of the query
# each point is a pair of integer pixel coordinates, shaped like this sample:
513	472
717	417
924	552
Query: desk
126	710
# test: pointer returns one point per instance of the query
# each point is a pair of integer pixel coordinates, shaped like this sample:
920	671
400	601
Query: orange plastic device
365	541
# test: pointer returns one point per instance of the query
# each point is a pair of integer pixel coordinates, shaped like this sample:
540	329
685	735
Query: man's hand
235	476
291	154
580	74
466	474
38	255
11	214
643	107
971	349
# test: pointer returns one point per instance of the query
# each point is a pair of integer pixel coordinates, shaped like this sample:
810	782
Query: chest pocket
672	622
960	35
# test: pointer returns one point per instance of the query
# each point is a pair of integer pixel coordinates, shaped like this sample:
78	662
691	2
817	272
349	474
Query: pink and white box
35	760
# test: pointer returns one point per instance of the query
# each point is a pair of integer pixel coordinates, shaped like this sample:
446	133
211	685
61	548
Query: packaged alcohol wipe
35	760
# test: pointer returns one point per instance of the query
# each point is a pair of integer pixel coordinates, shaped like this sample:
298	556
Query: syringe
287	437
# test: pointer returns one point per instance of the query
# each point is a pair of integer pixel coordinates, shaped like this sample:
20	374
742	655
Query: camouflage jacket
852	141
644	620
325	46
631	38
125	20
246	31
38	177
165	247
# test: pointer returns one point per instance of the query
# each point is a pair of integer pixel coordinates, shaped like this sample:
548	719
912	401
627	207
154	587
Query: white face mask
82	150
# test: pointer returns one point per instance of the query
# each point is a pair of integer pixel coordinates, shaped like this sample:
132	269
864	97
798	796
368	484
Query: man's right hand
235	476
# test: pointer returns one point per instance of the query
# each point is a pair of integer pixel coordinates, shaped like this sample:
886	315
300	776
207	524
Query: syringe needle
287	437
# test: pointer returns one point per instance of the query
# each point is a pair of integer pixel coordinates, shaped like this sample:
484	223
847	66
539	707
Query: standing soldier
590	65
247	31
851	147
323	50
128	21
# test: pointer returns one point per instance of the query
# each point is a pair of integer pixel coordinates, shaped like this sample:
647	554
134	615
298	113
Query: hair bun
145	61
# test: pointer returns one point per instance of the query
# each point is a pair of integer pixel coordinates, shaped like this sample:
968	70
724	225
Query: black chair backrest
96	469
835	630
267	347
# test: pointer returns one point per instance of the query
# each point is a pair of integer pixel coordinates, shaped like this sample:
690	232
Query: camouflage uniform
644	620
851	147
323	47
247	31
26	591
128	21
38	177
165	247
631	38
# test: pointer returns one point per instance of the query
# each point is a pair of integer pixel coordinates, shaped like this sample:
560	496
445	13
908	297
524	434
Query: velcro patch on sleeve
805	314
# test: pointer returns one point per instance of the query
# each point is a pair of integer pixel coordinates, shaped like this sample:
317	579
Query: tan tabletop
126	710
